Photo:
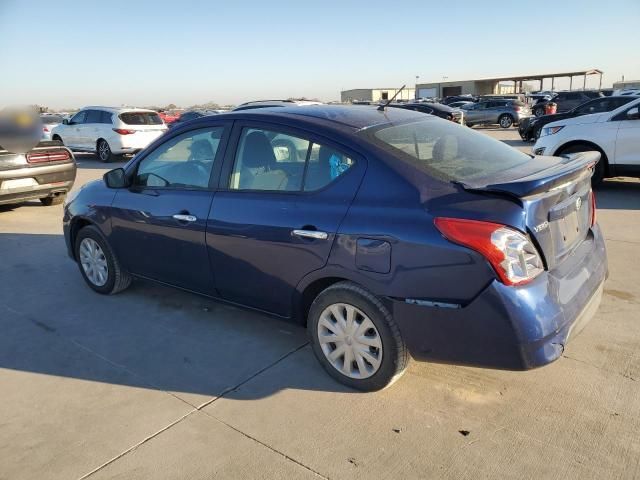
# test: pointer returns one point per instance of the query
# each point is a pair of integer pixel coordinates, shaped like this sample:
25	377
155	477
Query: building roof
593	71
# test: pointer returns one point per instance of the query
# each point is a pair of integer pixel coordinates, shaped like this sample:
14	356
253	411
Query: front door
159	223
73	132
628	139
275	216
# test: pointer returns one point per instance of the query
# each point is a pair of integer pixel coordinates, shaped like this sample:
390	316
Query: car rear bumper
514	328
46	180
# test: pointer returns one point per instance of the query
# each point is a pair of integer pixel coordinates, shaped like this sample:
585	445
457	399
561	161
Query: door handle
315	234
185	218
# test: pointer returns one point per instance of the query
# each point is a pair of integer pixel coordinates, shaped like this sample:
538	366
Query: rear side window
141	118
94	116
105	117
274	161
446	150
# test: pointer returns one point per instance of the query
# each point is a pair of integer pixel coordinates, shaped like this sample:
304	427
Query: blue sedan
389	233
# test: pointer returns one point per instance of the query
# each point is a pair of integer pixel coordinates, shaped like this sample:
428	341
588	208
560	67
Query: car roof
117	109
356	117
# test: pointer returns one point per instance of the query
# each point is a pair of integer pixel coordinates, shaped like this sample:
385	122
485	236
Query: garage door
451	91
427	92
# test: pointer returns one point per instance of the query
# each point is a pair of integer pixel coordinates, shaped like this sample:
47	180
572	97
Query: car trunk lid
555	194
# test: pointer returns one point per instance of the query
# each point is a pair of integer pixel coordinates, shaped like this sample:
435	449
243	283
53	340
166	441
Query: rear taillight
510	253
45	157
123	131
45	129
517	109
593	208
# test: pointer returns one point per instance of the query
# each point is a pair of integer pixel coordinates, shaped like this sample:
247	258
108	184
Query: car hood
581	120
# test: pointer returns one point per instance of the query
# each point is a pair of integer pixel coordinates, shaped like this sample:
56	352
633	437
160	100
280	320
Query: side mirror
633	114
115	178
65	122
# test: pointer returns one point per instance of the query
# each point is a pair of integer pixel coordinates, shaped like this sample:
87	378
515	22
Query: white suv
615	134
110	132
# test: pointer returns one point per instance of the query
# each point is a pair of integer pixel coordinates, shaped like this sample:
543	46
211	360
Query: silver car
502	112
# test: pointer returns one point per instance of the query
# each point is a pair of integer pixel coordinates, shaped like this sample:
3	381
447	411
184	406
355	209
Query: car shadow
618	194
149	336
90	161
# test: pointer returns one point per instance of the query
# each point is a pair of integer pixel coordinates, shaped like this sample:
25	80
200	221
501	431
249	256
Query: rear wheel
469	124
98	264
601	166
505	121
355	338
104	151
538	112
55	200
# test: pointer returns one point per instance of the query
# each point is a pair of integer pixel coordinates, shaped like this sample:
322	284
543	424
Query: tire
56	200
505	121
601	166
470	125
104	151
538	112
116	278
384	343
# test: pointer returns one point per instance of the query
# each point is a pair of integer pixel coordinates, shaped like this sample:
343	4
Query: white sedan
615	134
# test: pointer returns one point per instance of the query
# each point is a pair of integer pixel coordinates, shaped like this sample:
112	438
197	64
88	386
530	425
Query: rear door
282	197
159	223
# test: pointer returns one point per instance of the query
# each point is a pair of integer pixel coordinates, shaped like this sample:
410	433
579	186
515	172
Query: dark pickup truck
46	172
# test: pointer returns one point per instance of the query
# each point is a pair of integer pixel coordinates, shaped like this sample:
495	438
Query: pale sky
75	53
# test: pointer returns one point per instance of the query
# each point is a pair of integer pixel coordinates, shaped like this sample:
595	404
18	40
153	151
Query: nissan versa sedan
388	233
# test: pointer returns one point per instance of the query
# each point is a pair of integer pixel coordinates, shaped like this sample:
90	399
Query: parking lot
157	383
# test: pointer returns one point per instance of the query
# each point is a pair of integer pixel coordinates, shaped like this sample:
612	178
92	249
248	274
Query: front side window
184	161
79	118
274	161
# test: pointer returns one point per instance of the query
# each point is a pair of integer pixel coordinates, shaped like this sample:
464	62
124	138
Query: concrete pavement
158	383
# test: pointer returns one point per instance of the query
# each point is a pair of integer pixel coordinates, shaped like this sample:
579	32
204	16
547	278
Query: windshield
141	118
448	151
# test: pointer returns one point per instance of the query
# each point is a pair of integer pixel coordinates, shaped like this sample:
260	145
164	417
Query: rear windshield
51	119
446	150
141	118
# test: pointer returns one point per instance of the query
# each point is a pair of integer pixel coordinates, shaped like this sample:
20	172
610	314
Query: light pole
415	90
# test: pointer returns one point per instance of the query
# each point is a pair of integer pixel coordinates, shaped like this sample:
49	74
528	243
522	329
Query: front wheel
355	338
600	170
98	264
538	112
505	121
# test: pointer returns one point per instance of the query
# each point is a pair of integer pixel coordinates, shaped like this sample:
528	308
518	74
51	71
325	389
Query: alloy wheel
104	152
350	341
94	262
506	122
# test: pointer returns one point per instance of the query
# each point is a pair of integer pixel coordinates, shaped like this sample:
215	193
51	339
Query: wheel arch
307	293
592	145
77	224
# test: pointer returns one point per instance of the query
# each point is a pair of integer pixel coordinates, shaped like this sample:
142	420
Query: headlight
550	130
